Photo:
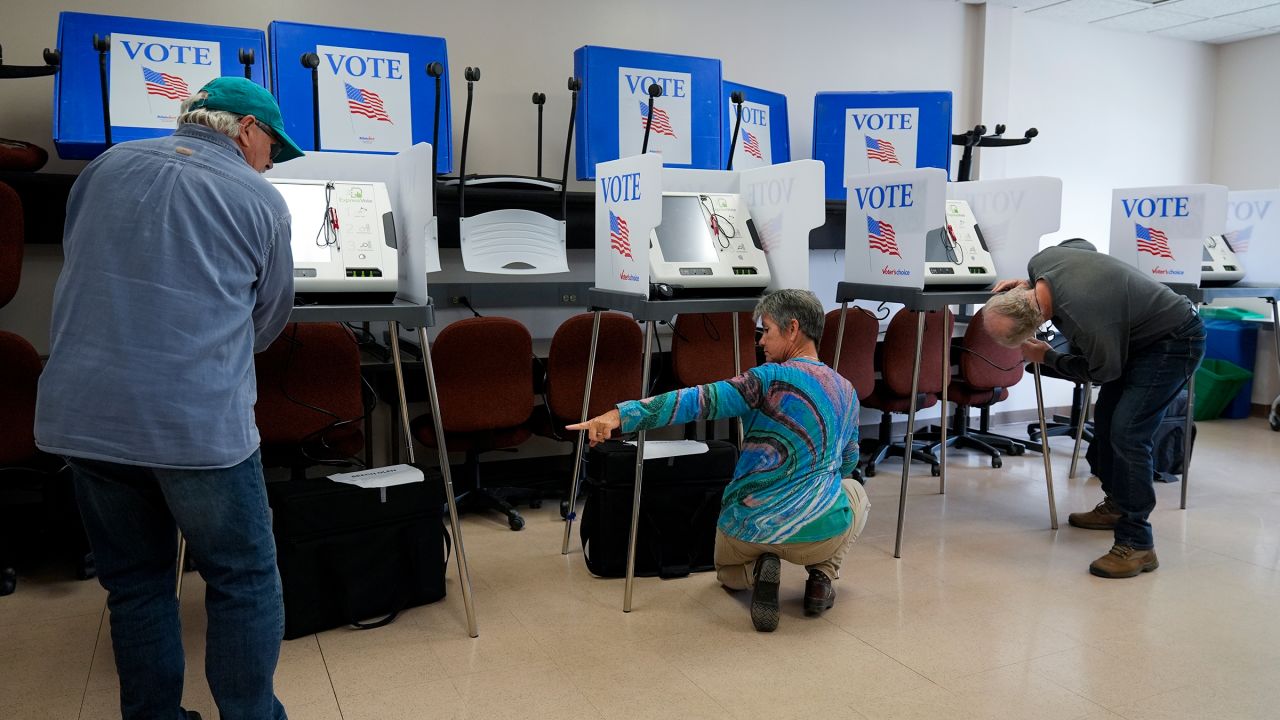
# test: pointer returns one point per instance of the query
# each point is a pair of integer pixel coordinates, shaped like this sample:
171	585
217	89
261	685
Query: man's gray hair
1019	306
227	123
783	306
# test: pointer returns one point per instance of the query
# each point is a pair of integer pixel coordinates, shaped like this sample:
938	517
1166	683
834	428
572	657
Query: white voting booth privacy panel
785	202
887	219
1161	230
1013	214
1253	230
408	178
628	208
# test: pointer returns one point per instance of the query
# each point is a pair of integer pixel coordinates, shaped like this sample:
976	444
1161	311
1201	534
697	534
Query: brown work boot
764	593
1102	517
819	596
1123	562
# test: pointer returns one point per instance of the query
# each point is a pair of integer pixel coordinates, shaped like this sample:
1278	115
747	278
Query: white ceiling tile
1265	17
1145	20
1086	10
1204	30
1213	8
1024	4
1243	36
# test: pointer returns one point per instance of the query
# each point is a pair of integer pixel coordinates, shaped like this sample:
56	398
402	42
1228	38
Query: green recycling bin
1217	382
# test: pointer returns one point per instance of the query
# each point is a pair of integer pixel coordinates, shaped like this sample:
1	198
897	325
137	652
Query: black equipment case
346	557
679	507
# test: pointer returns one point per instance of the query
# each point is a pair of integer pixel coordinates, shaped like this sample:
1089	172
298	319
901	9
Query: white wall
1113	109
1246	146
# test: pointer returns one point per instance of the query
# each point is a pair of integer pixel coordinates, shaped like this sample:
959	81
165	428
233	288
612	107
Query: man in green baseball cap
178	268
256	107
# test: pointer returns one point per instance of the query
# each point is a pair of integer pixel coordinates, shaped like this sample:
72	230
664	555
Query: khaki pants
735	559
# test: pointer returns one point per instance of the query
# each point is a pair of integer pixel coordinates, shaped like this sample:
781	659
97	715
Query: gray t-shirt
1106	308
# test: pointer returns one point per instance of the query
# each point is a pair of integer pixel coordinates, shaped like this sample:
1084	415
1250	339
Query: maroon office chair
987	371
311	401
617	375
34	486
484	379
857	350
701	348
892	393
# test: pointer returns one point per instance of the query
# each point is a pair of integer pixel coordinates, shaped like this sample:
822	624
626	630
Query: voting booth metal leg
464	575
582	435
835	361
737	370
1086	400
635	499
1044	449
182	560
946	386
911	434
1186	437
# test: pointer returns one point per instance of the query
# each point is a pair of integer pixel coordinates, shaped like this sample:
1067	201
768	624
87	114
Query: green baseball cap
246	97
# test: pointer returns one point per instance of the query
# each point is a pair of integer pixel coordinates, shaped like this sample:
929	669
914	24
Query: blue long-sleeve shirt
177	268
800	438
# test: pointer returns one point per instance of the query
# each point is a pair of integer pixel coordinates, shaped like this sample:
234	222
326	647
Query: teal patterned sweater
800	438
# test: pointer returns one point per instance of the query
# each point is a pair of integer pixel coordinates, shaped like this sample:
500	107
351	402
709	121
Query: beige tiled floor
988	614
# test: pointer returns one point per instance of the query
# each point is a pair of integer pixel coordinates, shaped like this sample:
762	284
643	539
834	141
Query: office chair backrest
19	373
308	379
11	240
484	373
982	373
857	357
619	354
898	352
701	347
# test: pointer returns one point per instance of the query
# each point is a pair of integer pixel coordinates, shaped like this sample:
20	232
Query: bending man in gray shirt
1136	338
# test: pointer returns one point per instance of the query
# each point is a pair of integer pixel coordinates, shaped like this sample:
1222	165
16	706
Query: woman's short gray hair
227	123
1019	306
783	306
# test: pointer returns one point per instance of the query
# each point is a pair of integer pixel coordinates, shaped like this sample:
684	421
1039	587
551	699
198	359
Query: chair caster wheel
516	523
564	509
935	470
996	462
1275	423
870	472
1017	450
8	581
535	503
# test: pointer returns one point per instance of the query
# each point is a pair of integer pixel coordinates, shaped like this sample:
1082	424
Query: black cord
653	381
987	360
710	327
328	233
721	227
884	308
464	302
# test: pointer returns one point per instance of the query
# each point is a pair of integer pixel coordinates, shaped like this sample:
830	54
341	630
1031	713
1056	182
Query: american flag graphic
165	85
751	144
881	150
661	123
619	237
1152	241
366	103
880	236
1238	240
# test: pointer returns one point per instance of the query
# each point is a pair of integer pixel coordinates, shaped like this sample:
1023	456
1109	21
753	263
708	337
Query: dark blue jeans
1126	416
132	515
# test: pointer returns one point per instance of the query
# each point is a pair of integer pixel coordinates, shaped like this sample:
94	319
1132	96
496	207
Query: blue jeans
132	515
1126	416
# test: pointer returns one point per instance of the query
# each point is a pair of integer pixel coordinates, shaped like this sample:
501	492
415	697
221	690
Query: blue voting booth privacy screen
865	133
613	108
152	66
765	137
375	94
